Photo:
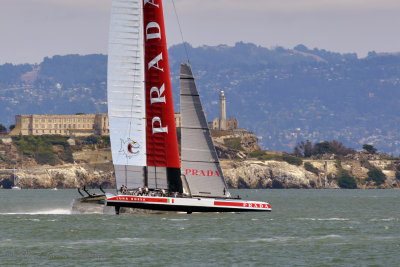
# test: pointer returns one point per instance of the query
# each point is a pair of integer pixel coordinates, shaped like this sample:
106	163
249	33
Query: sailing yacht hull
187	204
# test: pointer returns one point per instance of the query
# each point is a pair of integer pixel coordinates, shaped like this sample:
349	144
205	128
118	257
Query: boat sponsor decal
140	199
242	204
161	141
196	172
129	148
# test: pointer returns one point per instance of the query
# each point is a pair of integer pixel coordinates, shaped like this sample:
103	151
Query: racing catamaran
149	173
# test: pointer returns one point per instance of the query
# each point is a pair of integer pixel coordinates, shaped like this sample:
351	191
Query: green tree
377	176
322	148
92	139
303	149
3	129
346	181
369	148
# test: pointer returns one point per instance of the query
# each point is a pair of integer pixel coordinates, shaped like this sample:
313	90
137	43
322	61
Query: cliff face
91	167
270	174
279	174
64	176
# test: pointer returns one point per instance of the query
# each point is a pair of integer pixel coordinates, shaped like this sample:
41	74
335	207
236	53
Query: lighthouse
222	111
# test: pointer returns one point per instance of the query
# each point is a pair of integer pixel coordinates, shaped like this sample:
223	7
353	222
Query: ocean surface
305	228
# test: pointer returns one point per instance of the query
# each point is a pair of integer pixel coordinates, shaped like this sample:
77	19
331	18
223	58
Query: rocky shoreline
253	174
92	167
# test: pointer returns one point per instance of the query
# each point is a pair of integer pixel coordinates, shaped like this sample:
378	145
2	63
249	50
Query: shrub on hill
41	148
233	143
347	182
292	159
261	155
369	148
344	178
309	167
256	153
307	149
3	129
377	176
397	175
66	155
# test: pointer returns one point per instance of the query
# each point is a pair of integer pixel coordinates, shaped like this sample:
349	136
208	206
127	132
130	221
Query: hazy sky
33	29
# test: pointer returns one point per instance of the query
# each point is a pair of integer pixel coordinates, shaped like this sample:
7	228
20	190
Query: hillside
282	95
51	161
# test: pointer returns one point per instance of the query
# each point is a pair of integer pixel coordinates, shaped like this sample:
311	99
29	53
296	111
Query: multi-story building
69	125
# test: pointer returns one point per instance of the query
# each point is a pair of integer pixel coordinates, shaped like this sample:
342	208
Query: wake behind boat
149	173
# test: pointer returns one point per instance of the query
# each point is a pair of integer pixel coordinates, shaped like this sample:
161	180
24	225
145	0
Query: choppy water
305	228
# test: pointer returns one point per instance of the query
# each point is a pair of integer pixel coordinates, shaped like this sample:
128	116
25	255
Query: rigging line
180	29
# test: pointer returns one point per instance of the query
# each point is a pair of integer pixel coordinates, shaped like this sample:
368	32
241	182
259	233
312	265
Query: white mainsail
126	94
200	164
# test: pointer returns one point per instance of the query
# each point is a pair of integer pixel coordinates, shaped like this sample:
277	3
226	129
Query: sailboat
16	183
149	173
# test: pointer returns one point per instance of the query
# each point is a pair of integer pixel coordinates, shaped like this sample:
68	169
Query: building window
65	126
69	126
49	126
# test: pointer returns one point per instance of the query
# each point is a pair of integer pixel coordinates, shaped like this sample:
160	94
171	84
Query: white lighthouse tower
222	111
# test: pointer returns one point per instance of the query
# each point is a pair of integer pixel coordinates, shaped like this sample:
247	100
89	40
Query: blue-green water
305	228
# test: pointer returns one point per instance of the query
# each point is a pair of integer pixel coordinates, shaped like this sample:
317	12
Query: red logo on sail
196	172
129	148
